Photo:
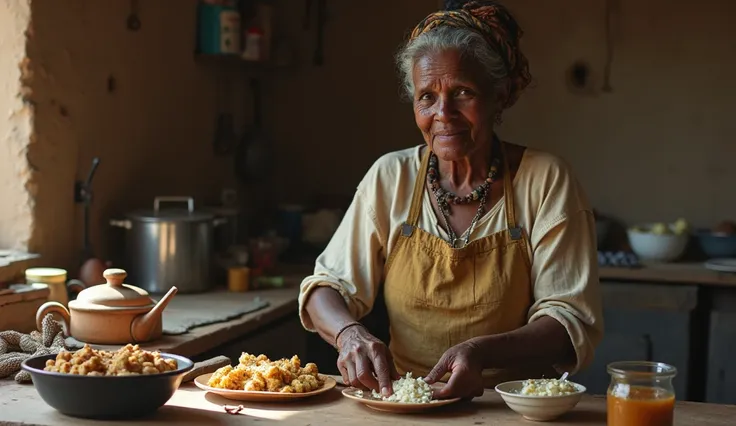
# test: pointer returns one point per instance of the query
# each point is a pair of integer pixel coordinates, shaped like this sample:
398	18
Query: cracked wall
16	123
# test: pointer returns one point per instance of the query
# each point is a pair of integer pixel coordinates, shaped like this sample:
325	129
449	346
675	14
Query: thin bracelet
345	327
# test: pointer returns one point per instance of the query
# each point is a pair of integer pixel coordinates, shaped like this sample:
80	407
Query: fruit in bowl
660	242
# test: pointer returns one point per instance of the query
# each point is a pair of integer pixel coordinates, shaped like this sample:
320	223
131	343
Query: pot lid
115	293
184	212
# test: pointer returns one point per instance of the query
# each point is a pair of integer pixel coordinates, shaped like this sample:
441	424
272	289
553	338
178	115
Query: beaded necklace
445	198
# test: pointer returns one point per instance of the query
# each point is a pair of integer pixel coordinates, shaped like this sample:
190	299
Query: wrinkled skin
463	362
365	362
454	106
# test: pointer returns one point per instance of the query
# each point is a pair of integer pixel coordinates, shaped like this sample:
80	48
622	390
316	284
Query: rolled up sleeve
566	284
352	262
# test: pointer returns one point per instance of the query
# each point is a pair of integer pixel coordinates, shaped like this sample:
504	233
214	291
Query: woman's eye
425	97
464	92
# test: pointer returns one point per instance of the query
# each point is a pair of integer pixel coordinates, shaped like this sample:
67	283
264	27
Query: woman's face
454	105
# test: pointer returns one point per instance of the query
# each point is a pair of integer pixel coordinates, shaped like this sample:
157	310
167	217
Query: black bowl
105	397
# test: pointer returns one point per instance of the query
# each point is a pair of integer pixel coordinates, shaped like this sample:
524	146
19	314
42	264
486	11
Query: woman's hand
465	367
361	356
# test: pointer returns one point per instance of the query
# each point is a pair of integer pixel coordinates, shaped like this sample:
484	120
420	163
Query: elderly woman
484	250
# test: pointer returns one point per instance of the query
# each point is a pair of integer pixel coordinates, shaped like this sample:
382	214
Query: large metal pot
169	247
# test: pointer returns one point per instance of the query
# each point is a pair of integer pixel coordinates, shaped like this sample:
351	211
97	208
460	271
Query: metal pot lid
171	214
114	294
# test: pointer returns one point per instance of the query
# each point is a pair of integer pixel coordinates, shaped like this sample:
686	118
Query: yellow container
238	279
54	278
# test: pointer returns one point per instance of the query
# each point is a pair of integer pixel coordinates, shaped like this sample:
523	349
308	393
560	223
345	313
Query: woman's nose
445	109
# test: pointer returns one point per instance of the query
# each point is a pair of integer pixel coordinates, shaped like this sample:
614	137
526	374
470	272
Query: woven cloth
15	347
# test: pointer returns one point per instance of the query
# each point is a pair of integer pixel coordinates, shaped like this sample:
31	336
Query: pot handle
121	223
75	286
157	202
53	307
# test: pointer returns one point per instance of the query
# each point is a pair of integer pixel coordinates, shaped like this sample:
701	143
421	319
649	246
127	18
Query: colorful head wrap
494	22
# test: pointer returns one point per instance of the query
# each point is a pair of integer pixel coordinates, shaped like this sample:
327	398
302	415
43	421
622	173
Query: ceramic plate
721	265
364	397
238	395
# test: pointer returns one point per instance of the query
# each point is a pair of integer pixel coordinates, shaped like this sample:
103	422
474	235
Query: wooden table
21	405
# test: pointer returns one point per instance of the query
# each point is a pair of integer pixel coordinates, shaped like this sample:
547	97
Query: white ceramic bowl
656	247
538	408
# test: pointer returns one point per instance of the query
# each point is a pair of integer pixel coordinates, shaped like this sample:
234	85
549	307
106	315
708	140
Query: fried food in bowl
126	383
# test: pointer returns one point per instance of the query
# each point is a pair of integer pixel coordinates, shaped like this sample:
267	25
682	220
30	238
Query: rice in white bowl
547	387
408	390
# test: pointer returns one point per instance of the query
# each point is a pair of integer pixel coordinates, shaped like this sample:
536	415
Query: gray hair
469	43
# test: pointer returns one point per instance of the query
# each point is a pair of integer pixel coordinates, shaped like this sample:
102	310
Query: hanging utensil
307	15
319	55
253	154
225	138
609	47
91	267
133	22
83	194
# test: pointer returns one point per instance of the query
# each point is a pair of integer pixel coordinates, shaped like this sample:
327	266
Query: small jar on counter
54	278
641	394
238	273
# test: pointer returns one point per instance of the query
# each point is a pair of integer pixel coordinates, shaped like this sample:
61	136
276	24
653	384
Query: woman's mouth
449	136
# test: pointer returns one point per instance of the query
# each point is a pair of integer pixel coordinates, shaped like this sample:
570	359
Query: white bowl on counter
538	408
657	247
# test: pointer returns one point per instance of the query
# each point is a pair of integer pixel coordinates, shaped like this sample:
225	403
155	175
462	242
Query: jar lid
46	275
114	294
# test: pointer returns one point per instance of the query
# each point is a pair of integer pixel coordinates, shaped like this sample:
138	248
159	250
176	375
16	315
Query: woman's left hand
463	363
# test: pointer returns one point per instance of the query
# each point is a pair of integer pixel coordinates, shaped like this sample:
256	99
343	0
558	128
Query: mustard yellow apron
438	296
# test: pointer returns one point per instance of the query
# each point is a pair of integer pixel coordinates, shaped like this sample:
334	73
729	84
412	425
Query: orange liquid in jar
641	407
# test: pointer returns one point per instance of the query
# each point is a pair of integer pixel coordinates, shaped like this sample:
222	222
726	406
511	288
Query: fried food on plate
258	373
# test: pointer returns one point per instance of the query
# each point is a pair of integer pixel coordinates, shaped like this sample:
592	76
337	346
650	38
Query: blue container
290	218
218	28
717	245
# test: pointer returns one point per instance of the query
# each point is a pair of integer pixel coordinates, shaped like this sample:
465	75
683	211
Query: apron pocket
490	285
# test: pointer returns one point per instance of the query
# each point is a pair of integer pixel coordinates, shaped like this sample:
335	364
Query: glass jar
641	394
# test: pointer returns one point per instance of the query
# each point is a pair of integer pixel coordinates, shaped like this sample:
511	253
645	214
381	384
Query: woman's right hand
361	356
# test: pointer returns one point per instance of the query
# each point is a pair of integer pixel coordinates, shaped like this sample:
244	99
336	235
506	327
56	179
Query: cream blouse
550	205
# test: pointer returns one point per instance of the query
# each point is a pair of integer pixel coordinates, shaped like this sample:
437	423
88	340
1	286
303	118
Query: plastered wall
15	127
137	100
659	146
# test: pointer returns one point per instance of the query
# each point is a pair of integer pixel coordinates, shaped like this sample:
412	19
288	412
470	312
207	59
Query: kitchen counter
282	303
21	405
675	273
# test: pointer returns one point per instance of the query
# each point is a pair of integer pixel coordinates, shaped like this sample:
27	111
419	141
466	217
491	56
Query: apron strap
416	198
508	196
